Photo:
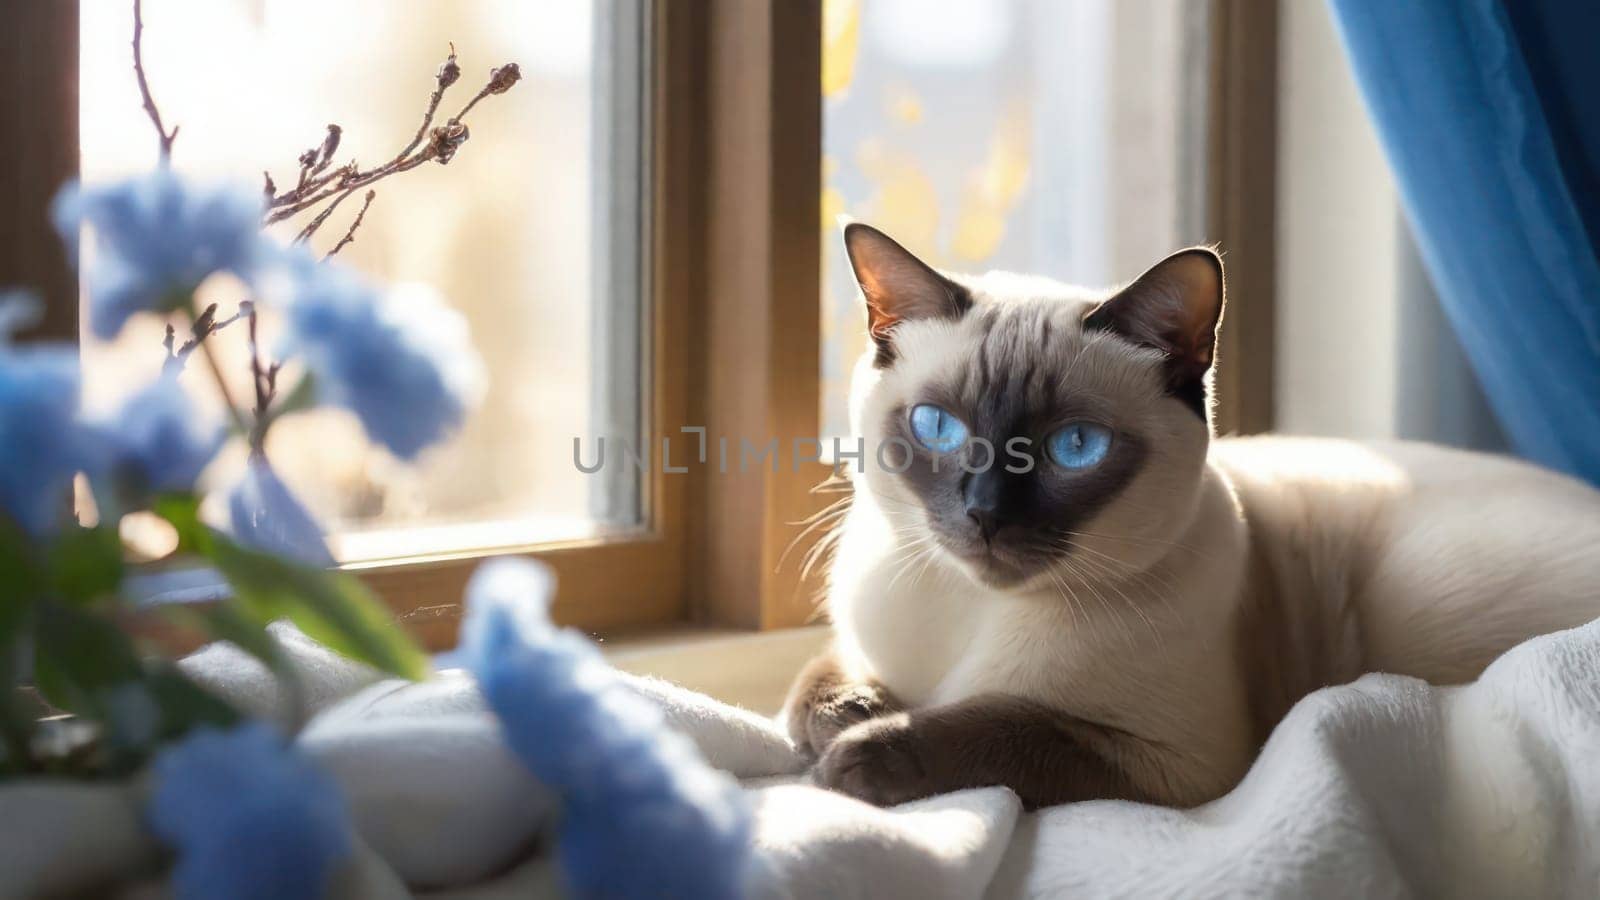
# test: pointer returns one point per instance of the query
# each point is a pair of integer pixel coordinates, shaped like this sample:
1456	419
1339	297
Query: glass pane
533	232
1055	137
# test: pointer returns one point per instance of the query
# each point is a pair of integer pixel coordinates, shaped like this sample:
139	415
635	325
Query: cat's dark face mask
1021	439
1009	501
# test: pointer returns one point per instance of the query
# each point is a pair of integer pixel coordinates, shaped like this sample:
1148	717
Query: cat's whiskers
825	525
1105	604
1093	573
1120	566
821	549
1074	605
1111	580
1164	590
825	521
920	548
1137	539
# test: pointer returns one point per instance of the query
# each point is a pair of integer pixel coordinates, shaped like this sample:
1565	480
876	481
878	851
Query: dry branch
350	233
203	326
166	137
317	183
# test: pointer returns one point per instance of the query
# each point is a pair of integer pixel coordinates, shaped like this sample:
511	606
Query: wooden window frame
1241	201
39	139
733	282
736	124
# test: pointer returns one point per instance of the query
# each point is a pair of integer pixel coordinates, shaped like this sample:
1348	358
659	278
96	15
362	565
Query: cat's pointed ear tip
854	231
1212	253
1202	264
864	242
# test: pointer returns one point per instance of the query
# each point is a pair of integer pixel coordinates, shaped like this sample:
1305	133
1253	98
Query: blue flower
264	515
42	442
643	815
159	441
247	816
157	236
401	361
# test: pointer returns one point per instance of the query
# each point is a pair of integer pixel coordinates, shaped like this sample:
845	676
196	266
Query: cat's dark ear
1174	307
897	286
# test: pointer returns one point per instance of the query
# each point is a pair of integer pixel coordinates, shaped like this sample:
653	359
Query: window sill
752	669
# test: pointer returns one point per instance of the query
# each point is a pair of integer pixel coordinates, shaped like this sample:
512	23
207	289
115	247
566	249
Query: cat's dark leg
824	701
1044	755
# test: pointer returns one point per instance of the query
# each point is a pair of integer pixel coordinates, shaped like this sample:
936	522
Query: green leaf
19	588
183	512
20	581
184	704
78	656
86	665
17	716
223	621
226	621
86	563
333	608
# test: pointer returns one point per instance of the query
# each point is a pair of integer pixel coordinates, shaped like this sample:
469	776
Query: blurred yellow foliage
833	206
903	202
841	31
978	233
993	191
905	106
833	202
1004	173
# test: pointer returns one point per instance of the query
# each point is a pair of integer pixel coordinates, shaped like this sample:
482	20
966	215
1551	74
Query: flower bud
501	79
449	72
446	140
330	144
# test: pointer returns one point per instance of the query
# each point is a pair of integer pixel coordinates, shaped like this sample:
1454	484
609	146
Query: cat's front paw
815	725
878	761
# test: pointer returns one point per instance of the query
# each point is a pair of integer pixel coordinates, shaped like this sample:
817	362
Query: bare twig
449	73
500	81
322	216
318	183
222	386
350	233
315	160
436	143
206	321
167	137
203	326
244	306
264	378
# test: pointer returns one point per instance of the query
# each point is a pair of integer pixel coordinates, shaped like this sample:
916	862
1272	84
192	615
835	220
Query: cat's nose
982	500
986	521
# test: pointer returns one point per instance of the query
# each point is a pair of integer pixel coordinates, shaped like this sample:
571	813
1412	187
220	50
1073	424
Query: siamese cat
1052	578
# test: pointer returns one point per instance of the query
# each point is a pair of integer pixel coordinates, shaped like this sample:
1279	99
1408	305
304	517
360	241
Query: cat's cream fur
1225	581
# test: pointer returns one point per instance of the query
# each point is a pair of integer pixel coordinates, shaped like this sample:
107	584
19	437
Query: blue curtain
1489	114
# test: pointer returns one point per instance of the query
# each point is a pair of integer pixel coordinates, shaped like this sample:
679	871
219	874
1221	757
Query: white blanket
1384	788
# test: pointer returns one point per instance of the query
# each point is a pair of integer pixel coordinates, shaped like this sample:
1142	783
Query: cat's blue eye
936	429
1079	445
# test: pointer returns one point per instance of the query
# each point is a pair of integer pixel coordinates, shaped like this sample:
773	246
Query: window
1061	139
533	231
541	230
634	233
